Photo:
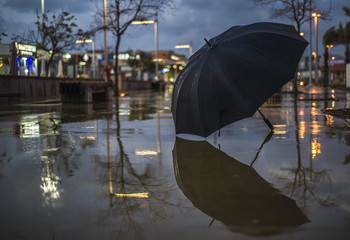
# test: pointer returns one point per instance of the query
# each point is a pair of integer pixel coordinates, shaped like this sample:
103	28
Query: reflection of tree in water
340	133
139	108
305	183
4	158
135	197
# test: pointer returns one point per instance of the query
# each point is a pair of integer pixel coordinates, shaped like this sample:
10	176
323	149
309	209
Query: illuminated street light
155	22
93	62
329	46
316	16
185	46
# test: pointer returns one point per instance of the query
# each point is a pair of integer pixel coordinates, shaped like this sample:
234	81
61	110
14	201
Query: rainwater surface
117	170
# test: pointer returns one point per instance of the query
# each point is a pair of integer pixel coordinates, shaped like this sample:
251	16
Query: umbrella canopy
232	75
232	192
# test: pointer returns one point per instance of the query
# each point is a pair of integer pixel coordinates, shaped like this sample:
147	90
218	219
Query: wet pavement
117	171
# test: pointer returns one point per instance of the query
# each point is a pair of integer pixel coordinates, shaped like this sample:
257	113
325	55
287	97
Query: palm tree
329	38
344	39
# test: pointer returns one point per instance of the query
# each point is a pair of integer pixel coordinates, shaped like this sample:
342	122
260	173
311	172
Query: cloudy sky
190	22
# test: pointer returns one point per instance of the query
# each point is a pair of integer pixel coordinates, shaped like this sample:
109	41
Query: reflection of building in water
34	125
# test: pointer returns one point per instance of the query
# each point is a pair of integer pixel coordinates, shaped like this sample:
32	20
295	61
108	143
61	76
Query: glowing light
183	46
143	22
145	152
132	195
84	41
88	137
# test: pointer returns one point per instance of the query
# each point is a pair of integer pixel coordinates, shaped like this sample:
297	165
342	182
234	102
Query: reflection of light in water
145	152
333	104
49	182
302	129
50	150
280	131
315	127
315	147
132	195
87	137
88	127
301	112
329	119
332	92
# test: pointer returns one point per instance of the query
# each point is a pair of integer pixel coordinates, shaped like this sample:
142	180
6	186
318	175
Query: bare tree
297	11
54	33
120	15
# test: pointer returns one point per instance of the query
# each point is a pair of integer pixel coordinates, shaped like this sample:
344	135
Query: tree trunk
347	53
326	68
116	67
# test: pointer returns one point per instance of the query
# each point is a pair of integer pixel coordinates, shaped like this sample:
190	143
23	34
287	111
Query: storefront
18	59
4	59
26	59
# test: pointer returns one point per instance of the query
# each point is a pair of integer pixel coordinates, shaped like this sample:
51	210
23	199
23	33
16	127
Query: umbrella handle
266	120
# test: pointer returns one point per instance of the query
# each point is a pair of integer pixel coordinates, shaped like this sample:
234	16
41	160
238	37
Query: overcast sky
191	22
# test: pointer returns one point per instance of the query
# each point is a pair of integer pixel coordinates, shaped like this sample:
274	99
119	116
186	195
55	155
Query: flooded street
112	170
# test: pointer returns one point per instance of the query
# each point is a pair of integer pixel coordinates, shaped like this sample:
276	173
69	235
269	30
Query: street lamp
105	34
316	16
155	22
43	69
185	46
93	61
329	46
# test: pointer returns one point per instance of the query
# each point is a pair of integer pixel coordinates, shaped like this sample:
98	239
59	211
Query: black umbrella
232	192
232	75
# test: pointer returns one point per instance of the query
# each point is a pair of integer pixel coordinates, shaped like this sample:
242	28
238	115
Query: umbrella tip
208	43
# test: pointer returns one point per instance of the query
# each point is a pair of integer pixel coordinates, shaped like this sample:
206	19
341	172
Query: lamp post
93	61
329	46
185	46
316	16
105	35
43	69
156	36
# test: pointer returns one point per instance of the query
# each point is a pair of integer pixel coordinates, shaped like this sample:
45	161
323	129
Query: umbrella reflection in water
232	192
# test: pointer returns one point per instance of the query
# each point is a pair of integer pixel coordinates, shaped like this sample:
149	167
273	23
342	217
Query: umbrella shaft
268	123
